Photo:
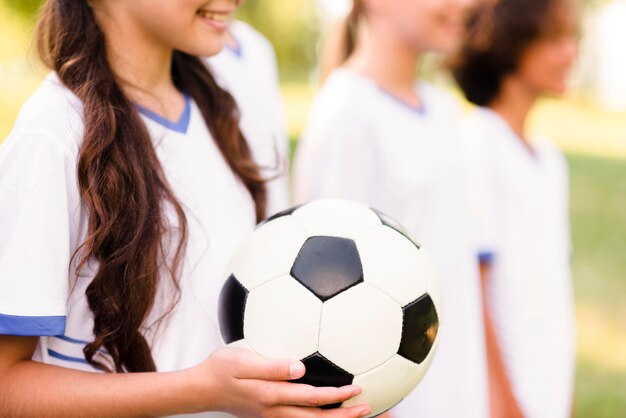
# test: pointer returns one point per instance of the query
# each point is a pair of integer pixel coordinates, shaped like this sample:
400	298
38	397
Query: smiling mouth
224	17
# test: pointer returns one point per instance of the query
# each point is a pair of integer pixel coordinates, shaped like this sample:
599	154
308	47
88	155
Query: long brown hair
122	183
341	40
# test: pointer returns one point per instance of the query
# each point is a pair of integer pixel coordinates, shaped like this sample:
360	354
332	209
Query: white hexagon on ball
385	384
269	252
336	218
361	328
281	319
393	264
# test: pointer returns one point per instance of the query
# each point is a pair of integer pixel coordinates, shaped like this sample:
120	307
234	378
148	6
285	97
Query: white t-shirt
521	198
43	221
250	73
361	143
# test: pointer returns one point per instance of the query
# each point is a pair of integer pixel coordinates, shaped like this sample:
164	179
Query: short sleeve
483	195
335	161
36	183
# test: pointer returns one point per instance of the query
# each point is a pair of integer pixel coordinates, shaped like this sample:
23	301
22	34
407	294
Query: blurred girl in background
514	52
379	136
248	70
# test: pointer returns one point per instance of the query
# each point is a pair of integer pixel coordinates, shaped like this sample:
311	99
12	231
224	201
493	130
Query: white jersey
361	143
521	198
249	72
43	221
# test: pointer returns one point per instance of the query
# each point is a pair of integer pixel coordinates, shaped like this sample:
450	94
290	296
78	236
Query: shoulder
52	112
253	58
250	38
479	128
553	156
45	138
345	97
340	116
478	122
438	100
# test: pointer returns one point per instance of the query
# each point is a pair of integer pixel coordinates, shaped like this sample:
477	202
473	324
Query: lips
224	17
218	20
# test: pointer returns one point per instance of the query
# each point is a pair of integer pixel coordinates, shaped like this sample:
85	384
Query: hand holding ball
343	288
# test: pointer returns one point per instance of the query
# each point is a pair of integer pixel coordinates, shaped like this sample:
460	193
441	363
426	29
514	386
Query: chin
448	43
444	48
206	49
554	91
209	52
558	88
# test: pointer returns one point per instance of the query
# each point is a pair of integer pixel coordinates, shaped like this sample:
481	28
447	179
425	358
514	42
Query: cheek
166	19
441	24
546	68
176	24
417	24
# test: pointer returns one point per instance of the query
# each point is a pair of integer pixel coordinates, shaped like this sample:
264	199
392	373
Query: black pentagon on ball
391	223
285	212
420	325
321	372
328	266
232	306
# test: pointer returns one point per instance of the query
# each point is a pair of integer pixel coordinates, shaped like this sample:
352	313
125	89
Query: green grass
598	214
600	393
598	211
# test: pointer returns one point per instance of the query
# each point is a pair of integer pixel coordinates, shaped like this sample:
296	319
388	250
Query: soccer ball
342	287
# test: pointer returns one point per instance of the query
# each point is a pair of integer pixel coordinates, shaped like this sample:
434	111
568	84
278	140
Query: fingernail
296	370
365	412
356	391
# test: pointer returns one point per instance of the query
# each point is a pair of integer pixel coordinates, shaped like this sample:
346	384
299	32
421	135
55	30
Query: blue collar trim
421	110
181	126
236	49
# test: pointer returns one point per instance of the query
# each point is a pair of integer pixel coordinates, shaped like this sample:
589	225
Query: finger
253	366
287	393
358	411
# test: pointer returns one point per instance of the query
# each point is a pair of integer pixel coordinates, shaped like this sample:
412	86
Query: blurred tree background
25	7
593	137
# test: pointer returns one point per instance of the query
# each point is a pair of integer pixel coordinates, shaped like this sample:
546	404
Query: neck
513	104
388	61
141	63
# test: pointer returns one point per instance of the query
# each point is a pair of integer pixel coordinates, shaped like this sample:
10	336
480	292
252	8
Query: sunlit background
589	125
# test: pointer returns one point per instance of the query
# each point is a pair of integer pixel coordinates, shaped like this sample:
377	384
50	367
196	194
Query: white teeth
220	17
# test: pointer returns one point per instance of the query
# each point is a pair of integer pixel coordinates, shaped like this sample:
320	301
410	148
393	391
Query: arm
230	380
502	400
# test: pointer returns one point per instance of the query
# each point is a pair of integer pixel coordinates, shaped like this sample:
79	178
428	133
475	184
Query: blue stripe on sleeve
486	257
60	356
32	326
72	340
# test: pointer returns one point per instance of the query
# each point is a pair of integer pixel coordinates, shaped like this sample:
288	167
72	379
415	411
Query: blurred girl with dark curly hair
514	52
